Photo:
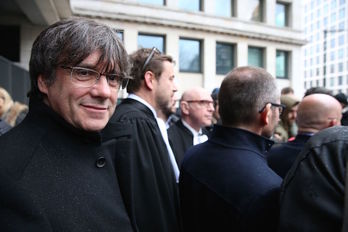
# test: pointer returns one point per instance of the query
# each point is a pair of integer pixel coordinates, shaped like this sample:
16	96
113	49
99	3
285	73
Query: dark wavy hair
68	43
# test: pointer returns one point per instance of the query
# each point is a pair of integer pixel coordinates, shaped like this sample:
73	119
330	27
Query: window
120	34
326	8
340	80
340	54
341	13
332	56
332	43
281	15
325	22
224	8
333	4
341	26
154	2
224	58
282	65
254	10
149	41
255	56
340	67
10	42
341	40
332	68
192	5
332	81
333	17
189	55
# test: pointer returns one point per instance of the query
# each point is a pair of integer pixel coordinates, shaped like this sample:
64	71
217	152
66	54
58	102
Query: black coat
226	184
312	196
145	173
283	155
181	139
58	177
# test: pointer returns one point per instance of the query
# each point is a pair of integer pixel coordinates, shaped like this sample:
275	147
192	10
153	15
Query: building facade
206	38
325	56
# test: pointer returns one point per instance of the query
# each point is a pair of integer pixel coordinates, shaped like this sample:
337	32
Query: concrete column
209	62
296	72
130	39
209	7
172	48
295	14
269	7
242	54
270	60
172	4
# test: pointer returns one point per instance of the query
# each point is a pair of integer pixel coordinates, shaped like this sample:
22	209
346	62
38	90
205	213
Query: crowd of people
245	157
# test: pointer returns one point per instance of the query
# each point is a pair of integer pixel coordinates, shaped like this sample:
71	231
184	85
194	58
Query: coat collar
233	137
38	110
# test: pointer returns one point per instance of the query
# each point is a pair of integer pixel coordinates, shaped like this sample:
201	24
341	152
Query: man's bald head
197	107
317	112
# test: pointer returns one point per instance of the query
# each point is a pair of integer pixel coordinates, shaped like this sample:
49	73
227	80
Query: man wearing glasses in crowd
197	109
225	183
56	174
147	170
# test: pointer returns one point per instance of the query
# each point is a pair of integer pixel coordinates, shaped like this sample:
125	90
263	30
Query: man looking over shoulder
197	109
148	171
225	183
55	173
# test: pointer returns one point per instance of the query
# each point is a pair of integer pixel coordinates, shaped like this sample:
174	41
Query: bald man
315	113
197	109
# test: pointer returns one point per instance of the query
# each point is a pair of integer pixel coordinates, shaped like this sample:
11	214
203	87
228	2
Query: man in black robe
197	109
147	170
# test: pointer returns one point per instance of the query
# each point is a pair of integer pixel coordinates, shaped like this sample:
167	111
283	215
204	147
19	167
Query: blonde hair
9	110
7	101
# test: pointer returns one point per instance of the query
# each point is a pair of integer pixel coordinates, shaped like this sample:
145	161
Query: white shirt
198	137
162	126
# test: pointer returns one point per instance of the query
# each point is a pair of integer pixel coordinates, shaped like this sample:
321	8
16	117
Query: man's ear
333	122
265	115
41	83
149	79
184	107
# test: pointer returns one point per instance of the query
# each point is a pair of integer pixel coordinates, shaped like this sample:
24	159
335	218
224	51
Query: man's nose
102	88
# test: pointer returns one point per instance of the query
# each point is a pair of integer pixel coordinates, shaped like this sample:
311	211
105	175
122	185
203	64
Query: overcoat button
101	162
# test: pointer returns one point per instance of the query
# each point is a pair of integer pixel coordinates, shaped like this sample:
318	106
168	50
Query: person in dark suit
225	183
315	112
56	173
314	192
197	110
147	170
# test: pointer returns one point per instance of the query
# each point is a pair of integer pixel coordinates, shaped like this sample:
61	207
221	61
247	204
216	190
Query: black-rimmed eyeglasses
148	59
86	77
281	107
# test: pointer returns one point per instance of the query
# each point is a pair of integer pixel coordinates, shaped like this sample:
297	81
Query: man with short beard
147	170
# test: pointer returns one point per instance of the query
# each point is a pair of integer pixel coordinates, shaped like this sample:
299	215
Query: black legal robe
144	171
181	139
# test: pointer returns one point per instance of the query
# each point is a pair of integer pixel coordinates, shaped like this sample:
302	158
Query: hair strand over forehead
69	42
